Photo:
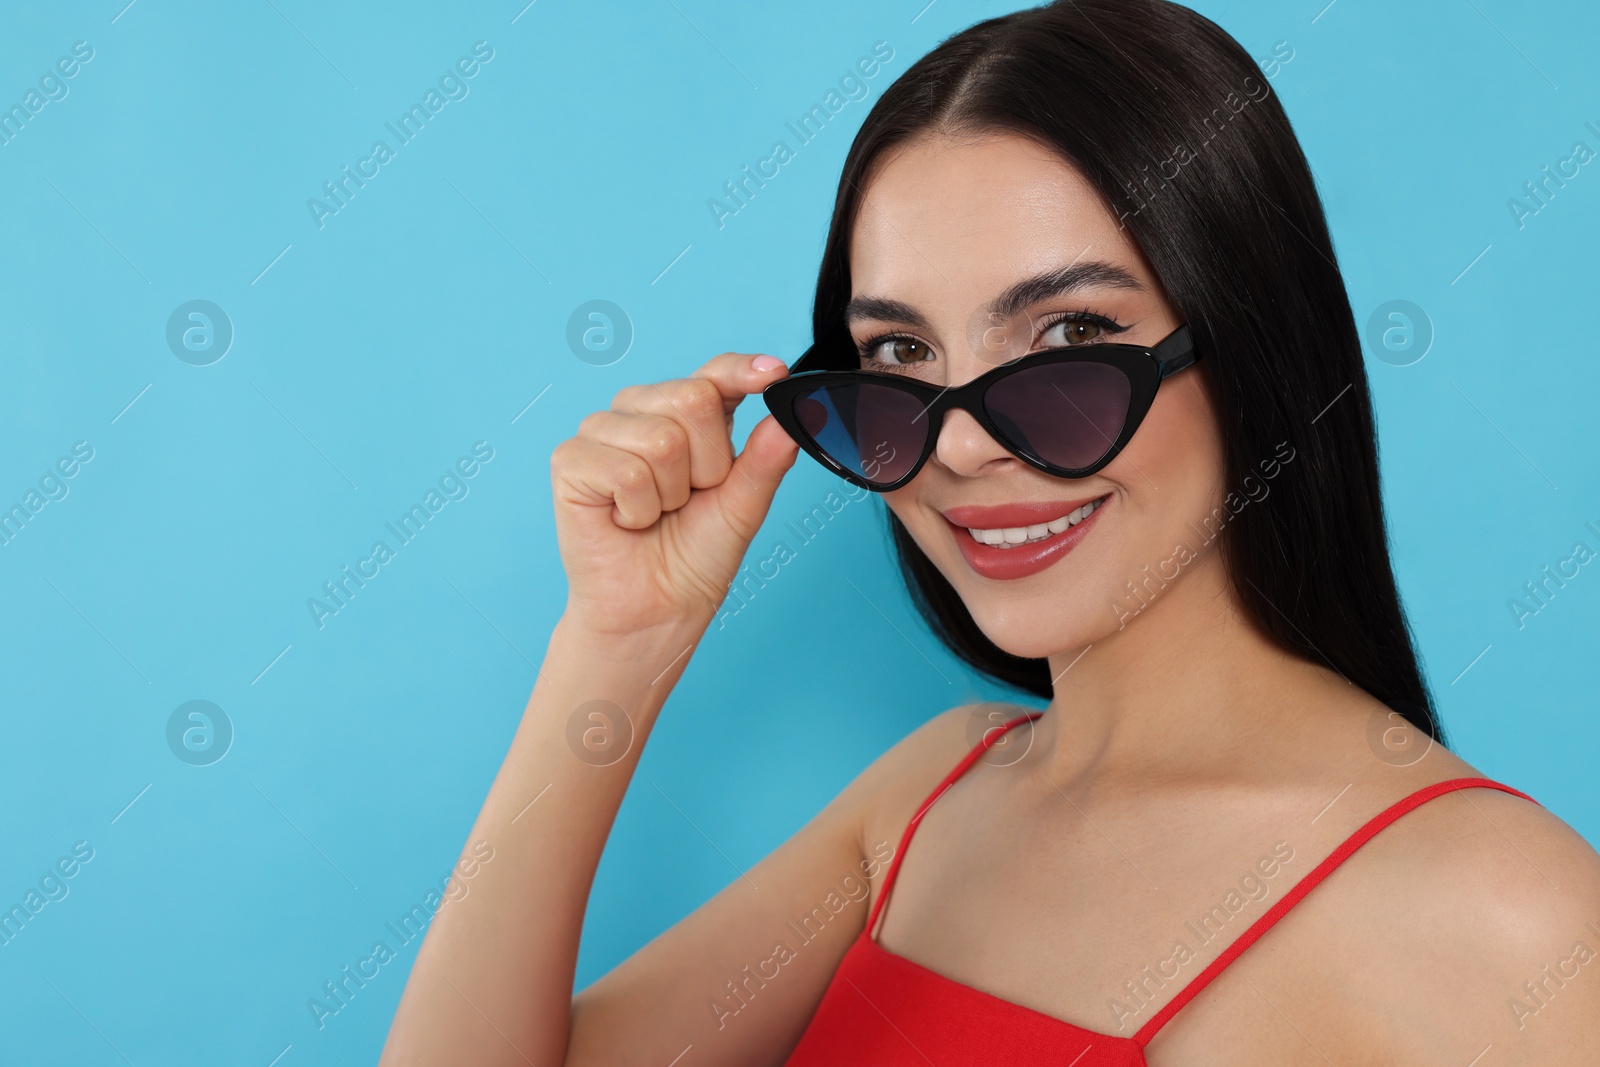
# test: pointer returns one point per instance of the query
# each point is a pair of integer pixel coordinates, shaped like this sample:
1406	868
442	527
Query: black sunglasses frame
1145	368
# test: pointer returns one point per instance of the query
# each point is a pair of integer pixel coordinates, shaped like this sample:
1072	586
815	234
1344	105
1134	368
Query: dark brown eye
1071	332
896	351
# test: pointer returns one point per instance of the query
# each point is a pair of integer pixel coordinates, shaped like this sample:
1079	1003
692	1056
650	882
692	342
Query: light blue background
430	311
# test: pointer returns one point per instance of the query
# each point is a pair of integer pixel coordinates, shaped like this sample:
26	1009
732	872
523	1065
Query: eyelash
865	348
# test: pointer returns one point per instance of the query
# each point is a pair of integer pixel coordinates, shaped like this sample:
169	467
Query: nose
965	447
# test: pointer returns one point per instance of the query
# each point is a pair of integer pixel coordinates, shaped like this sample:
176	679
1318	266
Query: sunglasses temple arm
1175	353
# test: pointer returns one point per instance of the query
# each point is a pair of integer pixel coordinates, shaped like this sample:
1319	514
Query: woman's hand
653	511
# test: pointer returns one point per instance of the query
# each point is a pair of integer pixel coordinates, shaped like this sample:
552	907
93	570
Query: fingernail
766	363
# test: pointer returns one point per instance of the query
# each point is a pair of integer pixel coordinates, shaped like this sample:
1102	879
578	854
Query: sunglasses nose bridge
962	443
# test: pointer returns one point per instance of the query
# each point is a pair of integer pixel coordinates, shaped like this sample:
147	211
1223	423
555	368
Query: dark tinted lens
870	430
1068	414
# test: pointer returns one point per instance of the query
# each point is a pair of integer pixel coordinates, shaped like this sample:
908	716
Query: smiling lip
1004	515
1018	561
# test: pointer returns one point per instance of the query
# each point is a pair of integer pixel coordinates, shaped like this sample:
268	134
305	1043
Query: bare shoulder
1480	910
889	791
925	755
1499	848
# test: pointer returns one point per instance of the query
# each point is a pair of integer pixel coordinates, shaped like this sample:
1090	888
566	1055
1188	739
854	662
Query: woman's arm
653	514
493	981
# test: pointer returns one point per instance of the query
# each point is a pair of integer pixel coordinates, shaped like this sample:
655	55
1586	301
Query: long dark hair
1177	126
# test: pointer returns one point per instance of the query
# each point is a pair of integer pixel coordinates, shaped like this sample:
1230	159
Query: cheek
927	528
903	504
1174	462
1170	479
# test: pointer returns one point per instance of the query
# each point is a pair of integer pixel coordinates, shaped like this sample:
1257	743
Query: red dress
883	1009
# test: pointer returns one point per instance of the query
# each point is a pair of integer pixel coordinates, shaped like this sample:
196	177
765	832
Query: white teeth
1022	535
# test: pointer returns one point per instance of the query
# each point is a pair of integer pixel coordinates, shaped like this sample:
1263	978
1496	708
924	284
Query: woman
1067	206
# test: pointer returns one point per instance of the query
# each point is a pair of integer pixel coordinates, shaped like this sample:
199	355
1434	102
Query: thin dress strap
989	738
1305	885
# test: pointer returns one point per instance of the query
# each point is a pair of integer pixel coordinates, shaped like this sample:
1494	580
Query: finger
738	374
735	376
589	474
660	440
695	405
704	403
746	496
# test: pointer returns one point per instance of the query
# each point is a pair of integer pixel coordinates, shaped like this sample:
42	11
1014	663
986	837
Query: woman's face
945	228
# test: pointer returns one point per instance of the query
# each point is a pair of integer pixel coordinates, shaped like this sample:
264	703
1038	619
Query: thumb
746	493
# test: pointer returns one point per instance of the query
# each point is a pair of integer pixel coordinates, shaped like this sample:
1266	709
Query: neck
1188	688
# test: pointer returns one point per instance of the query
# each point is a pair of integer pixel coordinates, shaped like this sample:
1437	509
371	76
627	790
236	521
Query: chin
1032	630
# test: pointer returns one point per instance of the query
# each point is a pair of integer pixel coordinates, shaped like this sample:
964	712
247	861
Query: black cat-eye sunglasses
1067	411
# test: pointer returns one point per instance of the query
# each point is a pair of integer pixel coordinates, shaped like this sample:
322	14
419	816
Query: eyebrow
1029	291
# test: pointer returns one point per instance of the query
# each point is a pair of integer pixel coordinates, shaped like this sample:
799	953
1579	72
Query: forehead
946	218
